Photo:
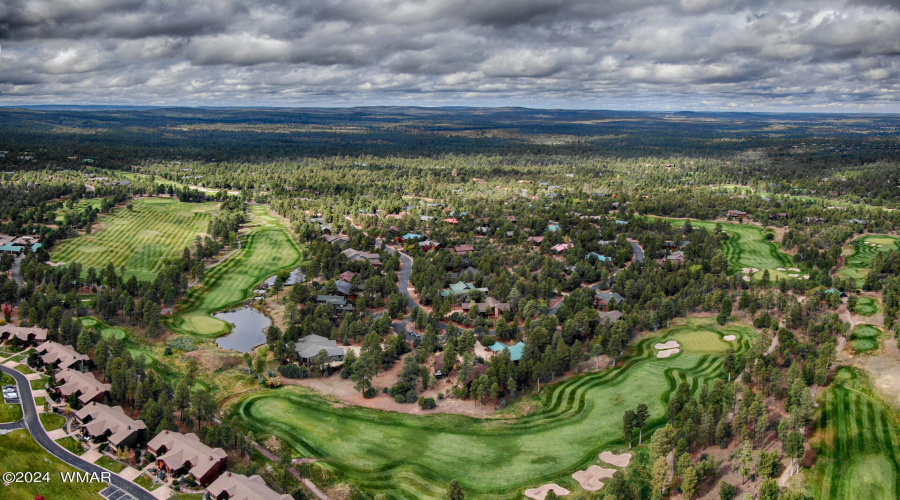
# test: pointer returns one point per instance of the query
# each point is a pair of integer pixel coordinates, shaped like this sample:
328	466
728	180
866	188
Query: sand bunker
794	269
746	278
730	337
794	275
618	460
668	345
590	479
806	276
668	352
541	492
780	269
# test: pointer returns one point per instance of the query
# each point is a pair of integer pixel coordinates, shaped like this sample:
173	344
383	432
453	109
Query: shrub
488	340
400	398
291	371
427	403
727	491
411	397
183	343
370	393
168	350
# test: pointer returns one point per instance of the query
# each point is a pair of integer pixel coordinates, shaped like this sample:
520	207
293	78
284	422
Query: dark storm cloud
700	54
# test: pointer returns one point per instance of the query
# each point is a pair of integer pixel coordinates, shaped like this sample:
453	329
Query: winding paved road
638	251
33	424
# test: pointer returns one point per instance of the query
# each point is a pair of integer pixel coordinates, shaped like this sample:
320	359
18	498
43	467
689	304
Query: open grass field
410	456
267	248
856	442
865	338
860	252
22	453
142	239
747	248
867	306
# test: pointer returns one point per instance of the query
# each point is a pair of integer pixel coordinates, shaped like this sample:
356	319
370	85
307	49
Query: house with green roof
515	350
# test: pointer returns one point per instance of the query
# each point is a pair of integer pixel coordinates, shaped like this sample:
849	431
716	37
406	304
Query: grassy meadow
267	248
409	456
860	252
140	239
857	442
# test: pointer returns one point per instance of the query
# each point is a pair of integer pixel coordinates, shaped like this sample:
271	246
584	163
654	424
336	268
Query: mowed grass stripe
143	239
403	456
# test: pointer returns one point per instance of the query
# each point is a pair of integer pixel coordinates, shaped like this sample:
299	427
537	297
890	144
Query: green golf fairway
407	456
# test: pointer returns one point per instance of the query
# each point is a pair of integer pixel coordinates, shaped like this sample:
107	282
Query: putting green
856	442
267	248
865	338
141	239
867	306
860	252
408	456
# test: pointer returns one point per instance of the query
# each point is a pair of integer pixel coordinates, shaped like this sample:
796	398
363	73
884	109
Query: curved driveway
33	424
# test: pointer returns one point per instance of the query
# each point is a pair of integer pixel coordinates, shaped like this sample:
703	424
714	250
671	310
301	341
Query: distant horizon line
101	107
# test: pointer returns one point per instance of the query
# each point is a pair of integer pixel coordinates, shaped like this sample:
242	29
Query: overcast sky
772	55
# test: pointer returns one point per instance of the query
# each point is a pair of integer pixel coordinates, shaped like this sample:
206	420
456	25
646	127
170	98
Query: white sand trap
746	278
590	479
879	246
729	338
668	352
794	275
780	269
745	269
541	492
806	276
794	269
755	270
621	460
668	345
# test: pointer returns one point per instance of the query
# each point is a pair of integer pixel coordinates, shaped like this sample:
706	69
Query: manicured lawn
40	401
857	442
24	369
52	421
267	249
747	248
20	357
38	384
865	338
71	444
409	456
147	483
142	239
866	306
108	463
21	453
185	496
860	252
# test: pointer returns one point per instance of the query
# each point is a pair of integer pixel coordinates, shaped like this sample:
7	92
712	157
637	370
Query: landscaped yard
71	444
267	249
408	456
52	421
146	482
24	369
38	384
140	239
22	453
858	443
108	463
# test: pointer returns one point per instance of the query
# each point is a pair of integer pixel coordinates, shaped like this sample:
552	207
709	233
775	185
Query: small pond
249	329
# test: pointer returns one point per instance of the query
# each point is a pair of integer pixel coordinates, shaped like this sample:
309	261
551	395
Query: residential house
737	213
337	239
452	220
232	486
411	236
61	356
858	221
372	258
339	303
344	288
463	249
603	299
178	453
516	350
537	240
595	255
562	247
347	275
427	245
490	307
102	423
309	347
461	288
22	334
677	257
84	385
